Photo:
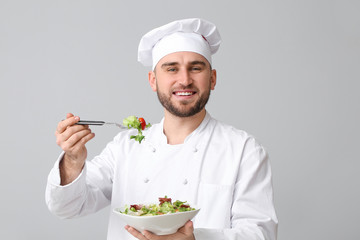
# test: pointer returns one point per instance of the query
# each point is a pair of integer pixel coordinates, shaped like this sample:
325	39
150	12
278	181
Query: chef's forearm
69	170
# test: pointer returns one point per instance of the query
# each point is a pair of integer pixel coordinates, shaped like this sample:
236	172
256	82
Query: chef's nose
185	78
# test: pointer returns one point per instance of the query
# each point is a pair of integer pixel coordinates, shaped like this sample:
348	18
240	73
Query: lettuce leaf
133	122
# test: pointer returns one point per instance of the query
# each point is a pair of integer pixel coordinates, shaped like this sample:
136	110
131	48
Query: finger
77	140
188	228
69	115
81	143
71	130
61	138
135	233
64	124
151	236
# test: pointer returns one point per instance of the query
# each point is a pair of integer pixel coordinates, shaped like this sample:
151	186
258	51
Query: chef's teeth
184	93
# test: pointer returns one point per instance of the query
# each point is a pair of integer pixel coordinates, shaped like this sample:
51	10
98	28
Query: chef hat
193	35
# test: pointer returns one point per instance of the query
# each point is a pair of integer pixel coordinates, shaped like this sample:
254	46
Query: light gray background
288	73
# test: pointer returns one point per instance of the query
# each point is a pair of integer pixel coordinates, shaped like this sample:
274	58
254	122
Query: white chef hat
193	35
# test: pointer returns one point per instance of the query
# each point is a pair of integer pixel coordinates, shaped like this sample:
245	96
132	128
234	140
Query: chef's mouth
184	93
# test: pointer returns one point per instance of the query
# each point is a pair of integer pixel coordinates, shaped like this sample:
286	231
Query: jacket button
195	149
185	182
146	180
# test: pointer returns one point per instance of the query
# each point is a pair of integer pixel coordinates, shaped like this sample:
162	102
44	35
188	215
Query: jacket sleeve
88	193
253	214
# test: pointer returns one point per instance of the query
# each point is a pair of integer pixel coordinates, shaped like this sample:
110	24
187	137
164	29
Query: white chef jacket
218	168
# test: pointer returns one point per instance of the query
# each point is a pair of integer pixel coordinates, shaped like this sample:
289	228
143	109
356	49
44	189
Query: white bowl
158	224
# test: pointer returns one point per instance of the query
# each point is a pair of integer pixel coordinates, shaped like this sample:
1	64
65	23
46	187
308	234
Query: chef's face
183	81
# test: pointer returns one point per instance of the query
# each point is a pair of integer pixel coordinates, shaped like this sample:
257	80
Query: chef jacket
222	170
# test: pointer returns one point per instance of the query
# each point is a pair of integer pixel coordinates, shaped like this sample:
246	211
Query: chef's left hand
184	233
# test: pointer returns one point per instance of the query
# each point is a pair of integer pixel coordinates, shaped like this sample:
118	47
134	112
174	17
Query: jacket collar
160	137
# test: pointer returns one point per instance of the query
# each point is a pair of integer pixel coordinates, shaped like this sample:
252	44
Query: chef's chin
184	110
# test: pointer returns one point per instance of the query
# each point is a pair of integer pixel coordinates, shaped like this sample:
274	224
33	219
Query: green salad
165	206
137	123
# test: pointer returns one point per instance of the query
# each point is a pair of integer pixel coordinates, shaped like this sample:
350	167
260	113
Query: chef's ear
213	79
152	80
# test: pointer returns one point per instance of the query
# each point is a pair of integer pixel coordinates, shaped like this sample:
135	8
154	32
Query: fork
99	123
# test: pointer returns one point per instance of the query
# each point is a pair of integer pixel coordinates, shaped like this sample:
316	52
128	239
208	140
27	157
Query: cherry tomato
143	123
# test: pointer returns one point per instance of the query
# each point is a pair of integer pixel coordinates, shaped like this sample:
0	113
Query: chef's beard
183	110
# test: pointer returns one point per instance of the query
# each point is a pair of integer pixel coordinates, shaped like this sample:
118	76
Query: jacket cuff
62	192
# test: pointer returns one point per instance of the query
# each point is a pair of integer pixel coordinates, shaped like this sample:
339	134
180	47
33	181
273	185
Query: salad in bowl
162	218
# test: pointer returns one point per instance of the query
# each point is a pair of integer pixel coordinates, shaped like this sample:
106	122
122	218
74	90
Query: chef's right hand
72	139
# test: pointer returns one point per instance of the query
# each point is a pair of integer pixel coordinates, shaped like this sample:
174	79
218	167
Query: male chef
187	156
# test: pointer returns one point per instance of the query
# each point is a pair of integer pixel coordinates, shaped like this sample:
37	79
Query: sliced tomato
143	123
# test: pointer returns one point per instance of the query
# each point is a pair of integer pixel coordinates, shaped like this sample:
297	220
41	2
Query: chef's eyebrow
167	64
198	63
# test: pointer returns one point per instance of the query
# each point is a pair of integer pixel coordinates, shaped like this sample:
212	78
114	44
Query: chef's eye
196	68
171	69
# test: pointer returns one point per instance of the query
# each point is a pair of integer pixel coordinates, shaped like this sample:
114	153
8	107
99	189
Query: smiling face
183	81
